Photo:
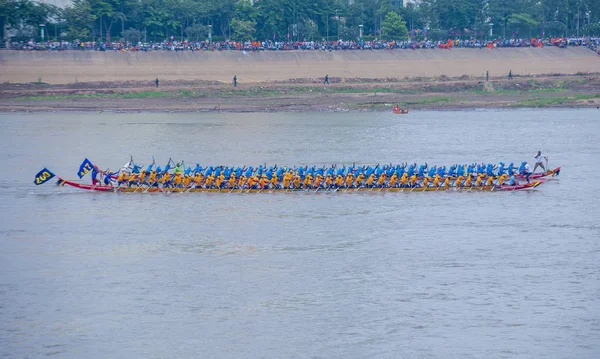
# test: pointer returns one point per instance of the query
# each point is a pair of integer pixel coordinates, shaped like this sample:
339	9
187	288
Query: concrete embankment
88	66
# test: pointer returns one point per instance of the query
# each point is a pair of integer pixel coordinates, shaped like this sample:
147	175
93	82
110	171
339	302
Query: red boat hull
555	172
89	187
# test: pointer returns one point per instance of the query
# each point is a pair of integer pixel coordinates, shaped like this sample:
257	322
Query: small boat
144	189
400	111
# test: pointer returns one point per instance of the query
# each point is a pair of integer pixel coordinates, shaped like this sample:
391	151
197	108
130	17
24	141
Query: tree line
296	20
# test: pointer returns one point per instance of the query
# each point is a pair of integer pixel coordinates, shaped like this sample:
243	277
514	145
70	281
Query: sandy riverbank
307	95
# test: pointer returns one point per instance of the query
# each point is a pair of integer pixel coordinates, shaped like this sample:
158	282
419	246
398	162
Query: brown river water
299	275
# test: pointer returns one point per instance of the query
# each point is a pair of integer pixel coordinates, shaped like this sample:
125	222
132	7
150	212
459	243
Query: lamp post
360	35
209	35
42	28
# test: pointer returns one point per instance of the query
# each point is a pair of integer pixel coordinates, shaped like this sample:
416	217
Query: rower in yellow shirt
166	179
232	181
263	183
426	181
413	181
241	181
318	181
349	180
436	180
328	181
459	180
198	180
132	180
381	180
308	180
502	178
479	180
469	181
274	181
209	181
122	178
370	180
142	176
490	181
177	179
296	181
360	179
287	179
404	180
252	182
186	181
447	183
338	182
393	180
222	181
152	178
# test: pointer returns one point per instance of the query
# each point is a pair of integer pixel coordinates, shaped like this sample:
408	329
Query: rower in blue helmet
501	169
510	169
471	169
442	171
480	168
452	171
108	178
431	172
526	170
95	173
512	181
489	170
136	168
149	168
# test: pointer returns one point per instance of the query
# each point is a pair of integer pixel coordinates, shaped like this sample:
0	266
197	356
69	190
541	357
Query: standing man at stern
539	161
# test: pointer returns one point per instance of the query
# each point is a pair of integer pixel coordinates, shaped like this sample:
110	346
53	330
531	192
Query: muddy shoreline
307	94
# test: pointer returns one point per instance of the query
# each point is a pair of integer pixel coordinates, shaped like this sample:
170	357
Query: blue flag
43	176
85	167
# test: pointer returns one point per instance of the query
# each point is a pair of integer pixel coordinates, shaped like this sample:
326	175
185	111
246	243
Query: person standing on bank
234	81
539	161
156	82
326	80
510	75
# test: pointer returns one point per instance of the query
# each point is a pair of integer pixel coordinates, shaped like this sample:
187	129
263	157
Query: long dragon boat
303	180
145	189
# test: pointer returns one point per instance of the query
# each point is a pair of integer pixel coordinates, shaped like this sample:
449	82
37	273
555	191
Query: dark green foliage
156	20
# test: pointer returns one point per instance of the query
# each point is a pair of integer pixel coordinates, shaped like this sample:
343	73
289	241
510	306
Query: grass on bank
406	103
143	94
553	101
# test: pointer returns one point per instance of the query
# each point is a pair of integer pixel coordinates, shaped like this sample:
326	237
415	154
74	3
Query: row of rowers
421	170
291	179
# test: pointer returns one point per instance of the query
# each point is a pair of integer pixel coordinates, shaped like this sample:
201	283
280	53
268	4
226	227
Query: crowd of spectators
590	42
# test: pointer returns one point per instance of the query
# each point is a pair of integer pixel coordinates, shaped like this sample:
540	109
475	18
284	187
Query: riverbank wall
253	67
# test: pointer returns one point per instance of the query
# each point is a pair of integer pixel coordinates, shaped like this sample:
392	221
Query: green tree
25	16
394	28
80	20
196	31
132	35
243	30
